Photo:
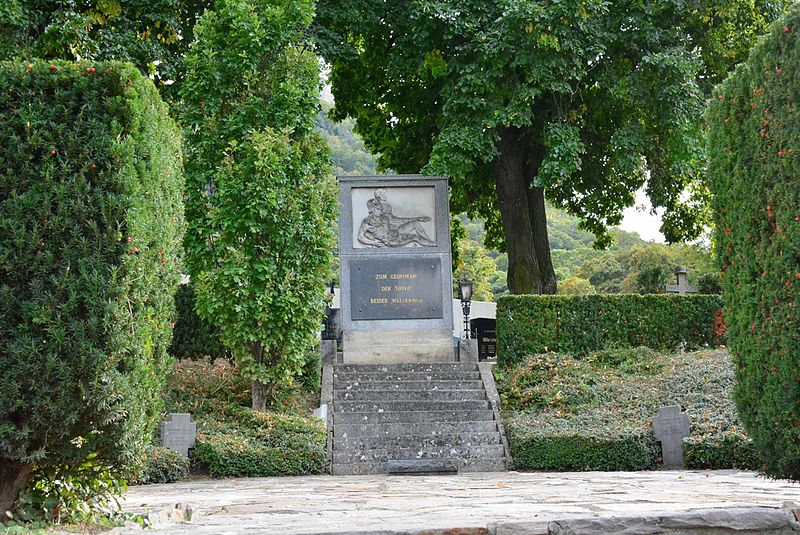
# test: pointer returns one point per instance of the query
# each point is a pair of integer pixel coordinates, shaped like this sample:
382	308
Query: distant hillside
349	155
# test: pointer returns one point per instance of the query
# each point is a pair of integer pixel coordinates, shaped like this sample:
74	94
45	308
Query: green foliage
645	268
204	386
162	465
193	337
64	494
576	286
235	441
257	444
261	204
595	413
652	280
474	264
154	36
753	170
531	324
91	222
709	283
630	265
347	149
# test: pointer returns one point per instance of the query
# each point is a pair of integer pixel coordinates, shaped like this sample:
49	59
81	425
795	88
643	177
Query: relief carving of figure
381	228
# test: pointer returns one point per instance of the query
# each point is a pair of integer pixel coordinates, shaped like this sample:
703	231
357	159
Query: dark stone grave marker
670	426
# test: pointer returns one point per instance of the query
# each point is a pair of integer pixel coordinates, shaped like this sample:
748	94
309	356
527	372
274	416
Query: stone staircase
426	415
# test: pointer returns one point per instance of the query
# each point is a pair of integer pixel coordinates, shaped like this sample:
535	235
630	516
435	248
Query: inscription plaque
396	287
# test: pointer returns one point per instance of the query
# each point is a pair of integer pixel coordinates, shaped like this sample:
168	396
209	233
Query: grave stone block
178	432
670	426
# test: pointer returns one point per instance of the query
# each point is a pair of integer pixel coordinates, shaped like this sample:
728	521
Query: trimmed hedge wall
91	222
754	165
532	324
193	337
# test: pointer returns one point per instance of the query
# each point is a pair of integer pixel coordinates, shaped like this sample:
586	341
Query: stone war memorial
395	269
402	403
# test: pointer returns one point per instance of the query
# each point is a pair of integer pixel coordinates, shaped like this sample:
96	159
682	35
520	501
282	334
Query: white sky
639	219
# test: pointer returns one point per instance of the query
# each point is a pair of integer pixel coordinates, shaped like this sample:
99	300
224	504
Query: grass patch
595	413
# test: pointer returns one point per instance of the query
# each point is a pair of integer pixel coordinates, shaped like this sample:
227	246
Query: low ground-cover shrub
235	441
65	494
577	325
261	444
595	413
162	465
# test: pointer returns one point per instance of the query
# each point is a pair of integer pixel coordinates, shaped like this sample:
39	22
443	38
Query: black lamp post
465	295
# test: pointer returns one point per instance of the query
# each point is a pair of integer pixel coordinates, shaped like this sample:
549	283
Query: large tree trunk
538	214
530	267
13	478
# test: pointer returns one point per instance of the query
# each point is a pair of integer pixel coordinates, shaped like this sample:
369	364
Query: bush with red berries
754	173
91	222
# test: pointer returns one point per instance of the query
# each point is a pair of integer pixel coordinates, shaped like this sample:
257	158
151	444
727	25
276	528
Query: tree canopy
585	101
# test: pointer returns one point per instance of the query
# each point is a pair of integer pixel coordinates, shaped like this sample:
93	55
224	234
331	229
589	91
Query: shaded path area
316	504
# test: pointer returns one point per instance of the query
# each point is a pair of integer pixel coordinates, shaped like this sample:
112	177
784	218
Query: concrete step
461	452
382	396
403	385
428	417
420	429
343	377
392	442
407	368
395	406
381	467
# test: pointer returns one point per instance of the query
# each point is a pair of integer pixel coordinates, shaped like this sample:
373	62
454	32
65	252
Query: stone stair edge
449	440
462	453
369	430
451	416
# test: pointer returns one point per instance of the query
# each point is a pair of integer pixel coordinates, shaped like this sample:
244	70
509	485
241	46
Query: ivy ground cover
595	413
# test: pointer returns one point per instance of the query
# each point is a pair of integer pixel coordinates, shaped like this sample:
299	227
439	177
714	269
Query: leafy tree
153	35
652	280
474	264
576	286
584	100
261	204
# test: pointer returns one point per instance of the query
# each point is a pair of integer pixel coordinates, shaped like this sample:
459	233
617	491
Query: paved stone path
317	504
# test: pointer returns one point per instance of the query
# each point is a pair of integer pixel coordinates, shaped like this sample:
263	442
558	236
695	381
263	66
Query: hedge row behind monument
532	324
90	227
754	165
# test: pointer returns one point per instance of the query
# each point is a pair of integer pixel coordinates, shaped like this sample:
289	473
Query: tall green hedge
193	337
754	170
531	324
91	222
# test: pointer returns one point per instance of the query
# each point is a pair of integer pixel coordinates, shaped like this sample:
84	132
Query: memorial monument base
398	347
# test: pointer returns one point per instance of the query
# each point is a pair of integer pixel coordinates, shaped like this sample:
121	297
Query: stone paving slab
327	504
